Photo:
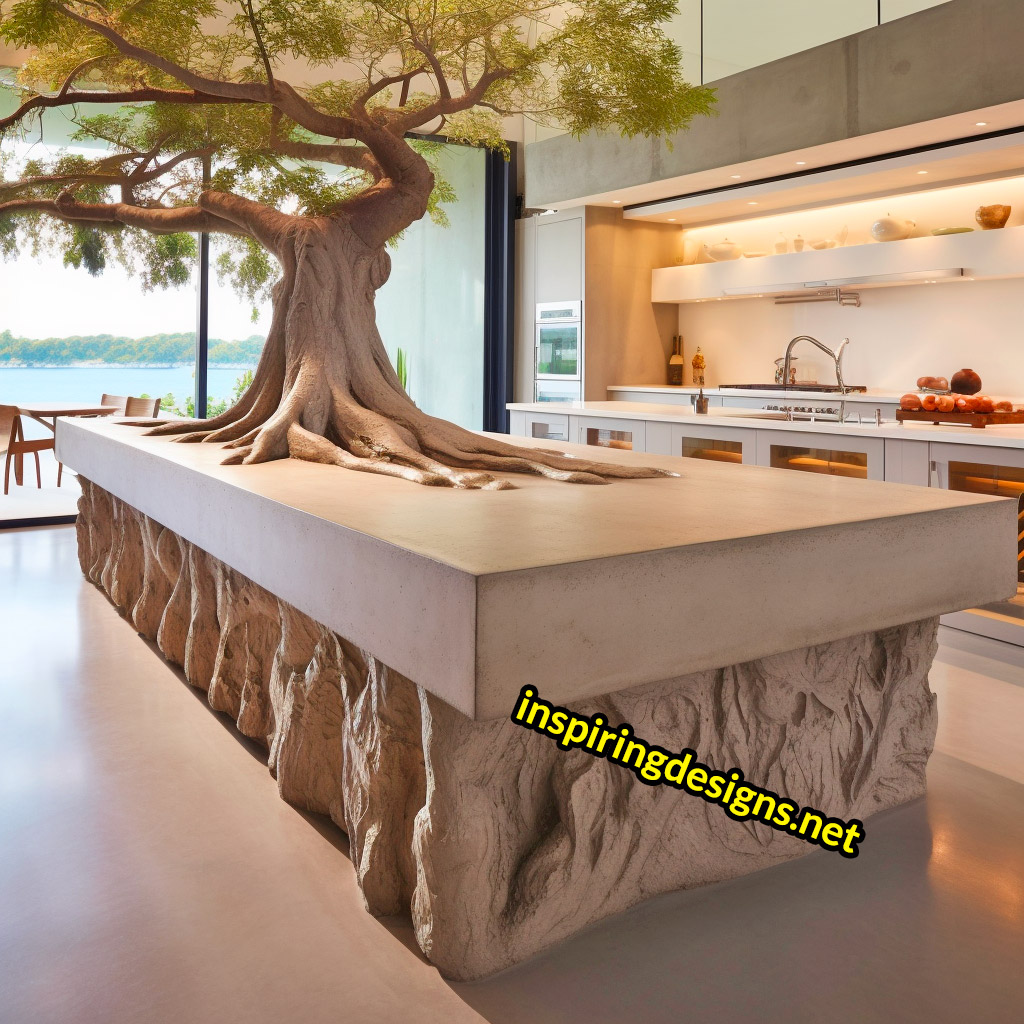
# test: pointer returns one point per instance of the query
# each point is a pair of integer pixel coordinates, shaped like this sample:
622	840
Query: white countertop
872	395
578	589
1002	436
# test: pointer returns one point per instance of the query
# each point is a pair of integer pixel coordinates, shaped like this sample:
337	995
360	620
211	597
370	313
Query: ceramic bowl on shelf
892	229
993	217
724	250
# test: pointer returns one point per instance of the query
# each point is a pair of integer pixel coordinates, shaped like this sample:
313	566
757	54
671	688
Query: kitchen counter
373	636
871	395
998	435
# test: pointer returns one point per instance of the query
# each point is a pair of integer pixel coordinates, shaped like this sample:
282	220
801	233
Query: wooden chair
17	447
148	407
119	400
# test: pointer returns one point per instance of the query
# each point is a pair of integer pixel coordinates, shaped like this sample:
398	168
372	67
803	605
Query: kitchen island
374	636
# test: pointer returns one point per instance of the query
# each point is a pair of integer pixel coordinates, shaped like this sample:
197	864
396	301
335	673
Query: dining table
47	413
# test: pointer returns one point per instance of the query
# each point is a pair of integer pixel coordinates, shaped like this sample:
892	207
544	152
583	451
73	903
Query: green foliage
152	350
454	67
214	406
402	369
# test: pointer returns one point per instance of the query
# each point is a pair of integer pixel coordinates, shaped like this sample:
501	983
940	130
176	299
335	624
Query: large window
66	335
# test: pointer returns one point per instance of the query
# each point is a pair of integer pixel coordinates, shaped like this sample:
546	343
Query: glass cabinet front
603	438
712	450
1003	482
829	461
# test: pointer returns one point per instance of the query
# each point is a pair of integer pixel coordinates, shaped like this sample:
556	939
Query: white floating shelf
980	254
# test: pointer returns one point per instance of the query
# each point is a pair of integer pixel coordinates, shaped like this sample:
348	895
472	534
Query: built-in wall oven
558	353
981	469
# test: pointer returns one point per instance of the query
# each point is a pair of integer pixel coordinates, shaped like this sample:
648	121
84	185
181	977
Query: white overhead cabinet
975	255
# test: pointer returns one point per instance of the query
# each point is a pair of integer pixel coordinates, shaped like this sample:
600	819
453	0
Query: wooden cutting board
967	419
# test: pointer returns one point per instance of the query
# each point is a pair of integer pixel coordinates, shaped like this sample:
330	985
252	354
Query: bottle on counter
699	366
675	362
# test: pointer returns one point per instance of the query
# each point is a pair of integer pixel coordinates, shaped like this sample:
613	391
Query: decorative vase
992	217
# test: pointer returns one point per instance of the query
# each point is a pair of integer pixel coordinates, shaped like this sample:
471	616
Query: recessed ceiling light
736	177
981	124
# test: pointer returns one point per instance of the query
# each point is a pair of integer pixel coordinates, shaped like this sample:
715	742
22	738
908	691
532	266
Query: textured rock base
496	842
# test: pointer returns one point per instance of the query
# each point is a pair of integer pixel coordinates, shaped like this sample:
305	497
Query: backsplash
896	336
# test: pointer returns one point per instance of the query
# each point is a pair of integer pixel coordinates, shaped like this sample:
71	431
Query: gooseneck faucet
837	357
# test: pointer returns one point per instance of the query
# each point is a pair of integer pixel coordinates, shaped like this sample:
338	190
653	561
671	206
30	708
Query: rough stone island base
496	842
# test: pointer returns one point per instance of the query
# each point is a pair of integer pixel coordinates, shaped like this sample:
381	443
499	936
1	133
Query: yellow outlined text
655	766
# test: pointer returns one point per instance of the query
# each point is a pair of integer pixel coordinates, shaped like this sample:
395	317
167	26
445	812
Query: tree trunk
325	389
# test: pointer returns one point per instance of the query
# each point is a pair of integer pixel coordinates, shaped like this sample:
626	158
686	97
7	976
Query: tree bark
325	390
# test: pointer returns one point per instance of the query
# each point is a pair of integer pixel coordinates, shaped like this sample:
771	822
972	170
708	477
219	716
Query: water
87	383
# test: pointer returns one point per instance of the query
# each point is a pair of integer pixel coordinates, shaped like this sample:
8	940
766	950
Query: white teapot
724	250
892	229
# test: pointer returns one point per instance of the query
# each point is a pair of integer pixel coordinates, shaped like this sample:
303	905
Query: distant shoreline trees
110	350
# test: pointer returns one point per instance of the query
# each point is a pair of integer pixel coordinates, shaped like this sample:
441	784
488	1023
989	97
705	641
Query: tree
205	133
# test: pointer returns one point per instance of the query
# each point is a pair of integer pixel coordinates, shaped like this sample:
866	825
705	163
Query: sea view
87	383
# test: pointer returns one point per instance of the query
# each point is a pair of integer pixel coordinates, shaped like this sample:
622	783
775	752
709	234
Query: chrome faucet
837	356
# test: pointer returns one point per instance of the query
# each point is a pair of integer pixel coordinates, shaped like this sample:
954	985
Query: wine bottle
675	362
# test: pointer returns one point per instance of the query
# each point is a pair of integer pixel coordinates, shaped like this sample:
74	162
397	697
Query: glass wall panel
741	34
431	307
67	336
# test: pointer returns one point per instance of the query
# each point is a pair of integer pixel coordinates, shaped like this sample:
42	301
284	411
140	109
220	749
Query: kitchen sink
829	389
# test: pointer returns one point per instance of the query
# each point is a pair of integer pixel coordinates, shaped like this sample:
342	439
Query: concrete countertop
1002	436
579	590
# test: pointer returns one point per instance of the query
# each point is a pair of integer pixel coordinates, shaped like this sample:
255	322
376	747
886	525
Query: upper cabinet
931	259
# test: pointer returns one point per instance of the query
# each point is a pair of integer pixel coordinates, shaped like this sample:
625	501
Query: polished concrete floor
149	873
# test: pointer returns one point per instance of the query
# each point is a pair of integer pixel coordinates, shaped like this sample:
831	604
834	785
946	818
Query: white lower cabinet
702	440
609	432
554	427
827	454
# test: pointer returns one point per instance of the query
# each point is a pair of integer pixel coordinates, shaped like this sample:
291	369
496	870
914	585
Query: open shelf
980	254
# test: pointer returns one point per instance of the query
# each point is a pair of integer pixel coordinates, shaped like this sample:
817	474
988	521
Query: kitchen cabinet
983	469
827	454
702	440
609	432
550	427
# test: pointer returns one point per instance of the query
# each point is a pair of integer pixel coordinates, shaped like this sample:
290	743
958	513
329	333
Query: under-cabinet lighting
671	218
735	177
981	124
922	172
617	202
801	163
751	203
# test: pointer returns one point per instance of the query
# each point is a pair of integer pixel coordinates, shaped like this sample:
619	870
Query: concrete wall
959	56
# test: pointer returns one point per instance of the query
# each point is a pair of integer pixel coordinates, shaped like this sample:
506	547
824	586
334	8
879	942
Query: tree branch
246	92
159	220
259	41
145	95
